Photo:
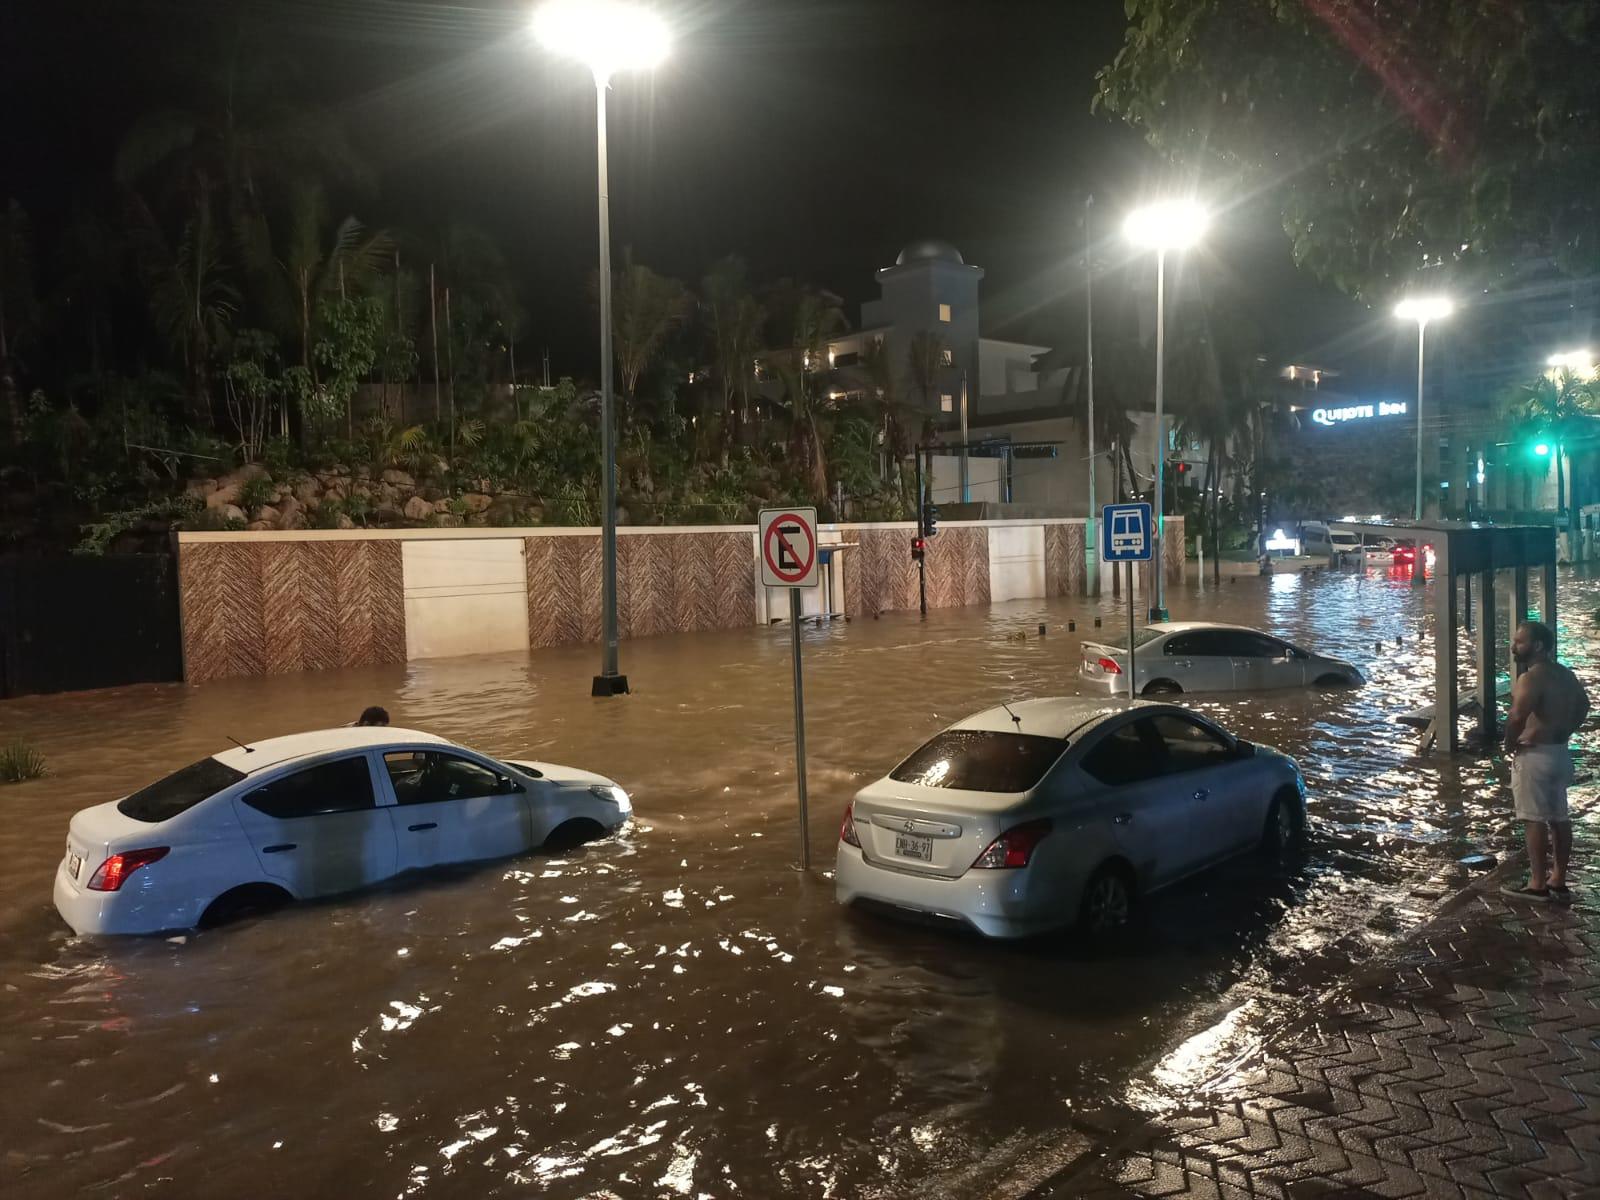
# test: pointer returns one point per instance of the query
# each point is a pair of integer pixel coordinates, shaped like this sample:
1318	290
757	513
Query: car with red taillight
313	814
1045	813
1170	657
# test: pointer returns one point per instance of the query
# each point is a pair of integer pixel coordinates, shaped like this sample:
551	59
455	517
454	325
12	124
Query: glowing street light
607	36
1580	363
1166	225
1422	309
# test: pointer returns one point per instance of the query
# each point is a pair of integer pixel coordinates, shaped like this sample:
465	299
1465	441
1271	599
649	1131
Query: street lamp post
607	36
1168	225
1422	309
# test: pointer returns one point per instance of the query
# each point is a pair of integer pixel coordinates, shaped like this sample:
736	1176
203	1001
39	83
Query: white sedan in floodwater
313	814
1203	656
1046	813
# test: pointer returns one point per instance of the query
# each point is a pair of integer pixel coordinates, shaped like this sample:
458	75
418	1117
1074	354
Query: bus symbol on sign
1125	535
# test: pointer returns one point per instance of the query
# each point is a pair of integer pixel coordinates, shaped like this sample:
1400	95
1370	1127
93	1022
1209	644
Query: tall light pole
1422	309
1168	225
1091	546
607	36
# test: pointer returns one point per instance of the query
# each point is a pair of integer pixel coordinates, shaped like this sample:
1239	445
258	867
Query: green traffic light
1542	449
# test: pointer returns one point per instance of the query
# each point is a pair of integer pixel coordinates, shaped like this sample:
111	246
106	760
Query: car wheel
569	835
1107	902
1161	687
1285	828
236	904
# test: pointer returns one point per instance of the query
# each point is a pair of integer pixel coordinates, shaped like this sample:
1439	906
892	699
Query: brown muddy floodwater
676	1012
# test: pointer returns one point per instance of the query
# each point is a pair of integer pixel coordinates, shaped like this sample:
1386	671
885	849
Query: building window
947	357
944	313
947	402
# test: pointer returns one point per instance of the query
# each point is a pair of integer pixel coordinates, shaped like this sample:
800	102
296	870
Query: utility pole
1090	544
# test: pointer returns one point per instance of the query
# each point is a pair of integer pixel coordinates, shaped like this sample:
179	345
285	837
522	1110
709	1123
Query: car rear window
1140	637
180	791
981	760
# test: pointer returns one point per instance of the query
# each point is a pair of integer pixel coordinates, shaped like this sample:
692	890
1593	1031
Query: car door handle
278	849
421	827
1201	794
1122	818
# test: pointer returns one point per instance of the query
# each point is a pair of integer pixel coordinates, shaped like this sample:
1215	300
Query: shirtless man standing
1548	705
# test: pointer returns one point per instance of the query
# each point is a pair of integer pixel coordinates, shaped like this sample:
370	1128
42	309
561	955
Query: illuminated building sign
1358	412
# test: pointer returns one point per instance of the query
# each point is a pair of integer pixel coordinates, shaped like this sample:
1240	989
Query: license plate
74	864
908	845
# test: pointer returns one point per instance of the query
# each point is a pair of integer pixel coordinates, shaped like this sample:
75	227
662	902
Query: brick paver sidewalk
1467	1066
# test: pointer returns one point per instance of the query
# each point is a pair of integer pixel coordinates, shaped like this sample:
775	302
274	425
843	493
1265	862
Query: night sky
813	137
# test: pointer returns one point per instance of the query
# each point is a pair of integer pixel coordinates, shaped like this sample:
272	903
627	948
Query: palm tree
1560	407
645	309
734	321
1217	373
925	356
803	399
17	304
189	297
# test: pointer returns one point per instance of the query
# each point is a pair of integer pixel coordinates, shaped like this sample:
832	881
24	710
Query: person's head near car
373	715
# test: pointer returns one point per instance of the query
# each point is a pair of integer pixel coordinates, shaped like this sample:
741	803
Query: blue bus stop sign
1126	533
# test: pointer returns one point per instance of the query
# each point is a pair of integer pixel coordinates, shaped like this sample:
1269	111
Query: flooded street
676	1011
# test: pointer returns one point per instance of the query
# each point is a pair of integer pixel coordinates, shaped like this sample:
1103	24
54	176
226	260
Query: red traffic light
918	546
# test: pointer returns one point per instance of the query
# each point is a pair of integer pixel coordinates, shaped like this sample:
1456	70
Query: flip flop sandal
1525	892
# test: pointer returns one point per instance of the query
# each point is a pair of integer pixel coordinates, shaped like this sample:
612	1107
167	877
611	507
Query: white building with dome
931	289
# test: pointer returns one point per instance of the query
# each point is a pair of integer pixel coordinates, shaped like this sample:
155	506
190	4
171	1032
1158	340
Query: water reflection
676	1011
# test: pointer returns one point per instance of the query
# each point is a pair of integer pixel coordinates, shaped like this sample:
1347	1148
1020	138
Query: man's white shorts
1539	779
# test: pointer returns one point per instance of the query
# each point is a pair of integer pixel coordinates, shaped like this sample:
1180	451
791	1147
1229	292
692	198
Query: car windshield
981	760
179	791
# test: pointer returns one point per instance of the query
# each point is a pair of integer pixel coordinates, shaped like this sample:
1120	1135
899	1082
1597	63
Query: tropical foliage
1390	136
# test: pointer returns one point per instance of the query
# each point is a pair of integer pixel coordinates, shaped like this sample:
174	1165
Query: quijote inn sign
1358	412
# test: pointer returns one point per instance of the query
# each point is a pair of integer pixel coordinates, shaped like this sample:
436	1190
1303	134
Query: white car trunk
99	832
928	831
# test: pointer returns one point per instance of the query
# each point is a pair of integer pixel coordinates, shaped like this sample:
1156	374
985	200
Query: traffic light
930	520
1180	470
918	547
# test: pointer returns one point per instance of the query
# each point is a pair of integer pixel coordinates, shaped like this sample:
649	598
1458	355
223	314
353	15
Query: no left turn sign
789	547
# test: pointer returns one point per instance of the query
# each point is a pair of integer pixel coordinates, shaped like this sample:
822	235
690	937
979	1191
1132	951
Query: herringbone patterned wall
881	576
666	583
1063	560
263	607
268	608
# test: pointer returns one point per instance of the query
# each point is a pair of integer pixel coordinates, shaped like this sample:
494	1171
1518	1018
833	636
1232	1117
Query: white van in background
1317	539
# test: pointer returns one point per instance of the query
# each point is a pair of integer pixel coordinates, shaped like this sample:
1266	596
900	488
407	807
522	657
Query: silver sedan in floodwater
1203	656
1025	818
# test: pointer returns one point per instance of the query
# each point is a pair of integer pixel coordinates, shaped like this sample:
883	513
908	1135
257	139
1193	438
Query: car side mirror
1244	749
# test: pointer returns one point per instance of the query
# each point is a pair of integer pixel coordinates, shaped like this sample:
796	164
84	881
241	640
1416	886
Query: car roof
1183	626
271	751
1055	716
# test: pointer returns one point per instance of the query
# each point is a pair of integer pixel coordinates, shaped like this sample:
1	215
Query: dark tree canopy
1395	136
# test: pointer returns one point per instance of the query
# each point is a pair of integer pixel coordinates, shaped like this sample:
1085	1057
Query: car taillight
114	872
1109	666
847	827
1014	847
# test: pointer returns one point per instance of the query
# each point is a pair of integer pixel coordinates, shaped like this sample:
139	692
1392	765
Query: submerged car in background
1202	656
1046	813
313	814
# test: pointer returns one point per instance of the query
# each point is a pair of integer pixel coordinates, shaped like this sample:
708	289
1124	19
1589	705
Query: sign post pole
789	559
799	730
1128	535
1131	672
